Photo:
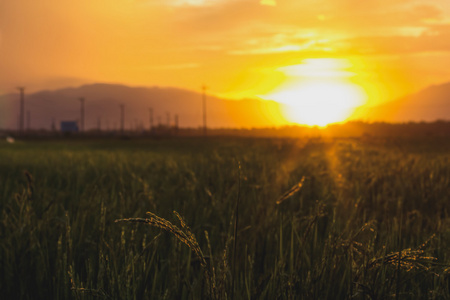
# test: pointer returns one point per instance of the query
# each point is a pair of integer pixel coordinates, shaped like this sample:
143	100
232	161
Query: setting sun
318	92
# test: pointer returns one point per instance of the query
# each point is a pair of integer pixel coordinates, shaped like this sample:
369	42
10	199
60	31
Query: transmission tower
176	124
82	114
151	118
204	88
28	120
22	108
122	117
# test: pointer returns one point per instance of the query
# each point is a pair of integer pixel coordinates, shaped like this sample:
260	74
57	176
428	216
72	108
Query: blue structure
69	126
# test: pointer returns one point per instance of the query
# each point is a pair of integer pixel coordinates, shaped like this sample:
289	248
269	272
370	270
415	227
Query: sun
318	92
319	101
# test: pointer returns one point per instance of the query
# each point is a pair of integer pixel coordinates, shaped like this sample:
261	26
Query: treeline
357	128
438	128
349	129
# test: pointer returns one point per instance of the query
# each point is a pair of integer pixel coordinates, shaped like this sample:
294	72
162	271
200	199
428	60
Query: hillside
102	108
102	105
429	104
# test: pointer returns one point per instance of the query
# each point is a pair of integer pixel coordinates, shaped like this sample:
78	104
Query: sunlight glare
318	92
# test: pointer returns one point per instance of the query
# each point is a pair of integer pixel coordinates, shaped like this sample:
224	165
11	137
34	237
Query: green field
365	219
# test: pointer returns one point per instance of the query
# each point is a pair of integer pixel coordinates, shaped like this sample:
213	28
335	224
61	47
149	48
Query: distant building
69	126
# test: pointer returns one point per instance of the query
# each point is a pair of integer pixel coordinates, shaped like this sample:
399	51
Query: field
264	219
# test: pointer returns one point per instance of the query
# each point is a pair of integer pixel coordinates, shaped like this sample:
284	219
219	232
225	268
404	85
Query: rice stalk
184	235
236	223
289	193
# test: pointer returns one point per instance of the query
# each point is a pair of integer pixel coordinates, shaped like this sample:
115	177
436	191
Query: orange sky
236	47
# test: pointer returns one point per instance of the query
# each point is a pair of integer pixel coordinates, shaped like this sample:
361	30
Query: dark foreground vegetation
439	128
255	219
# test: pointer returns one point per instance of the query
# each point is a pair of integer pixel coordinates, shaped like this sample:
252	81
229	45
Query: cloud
320	28
310	46
137	38
268	2
286	48
190	2
435	38
175	66
195	3
228	23
323	67
426	12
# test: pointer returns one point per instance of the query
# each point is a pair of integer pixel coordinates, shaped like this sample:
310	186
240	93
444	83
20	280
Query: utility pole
204	87
122	117
176	123
99	124
22	108
28	120
151	118
82	114
168	119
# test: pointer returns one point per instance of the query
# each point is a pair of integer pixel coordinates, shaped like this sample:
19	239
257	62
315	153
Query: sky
238	48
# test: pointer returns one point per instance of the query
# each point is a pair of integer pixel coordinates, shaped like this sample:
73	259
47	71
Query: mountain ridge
103	100
429	104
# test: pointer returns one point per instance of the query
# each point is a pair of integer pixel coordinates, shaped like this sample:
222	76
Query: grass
258	219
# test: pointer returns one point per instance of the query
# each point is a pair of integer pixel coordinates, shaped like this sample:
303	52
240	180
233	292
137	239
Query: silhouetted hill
102	105
430	104
103	102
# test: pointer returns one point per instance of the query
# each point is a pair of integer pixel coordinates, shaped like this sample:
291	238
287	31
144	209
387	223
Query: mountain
102	107
429	104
